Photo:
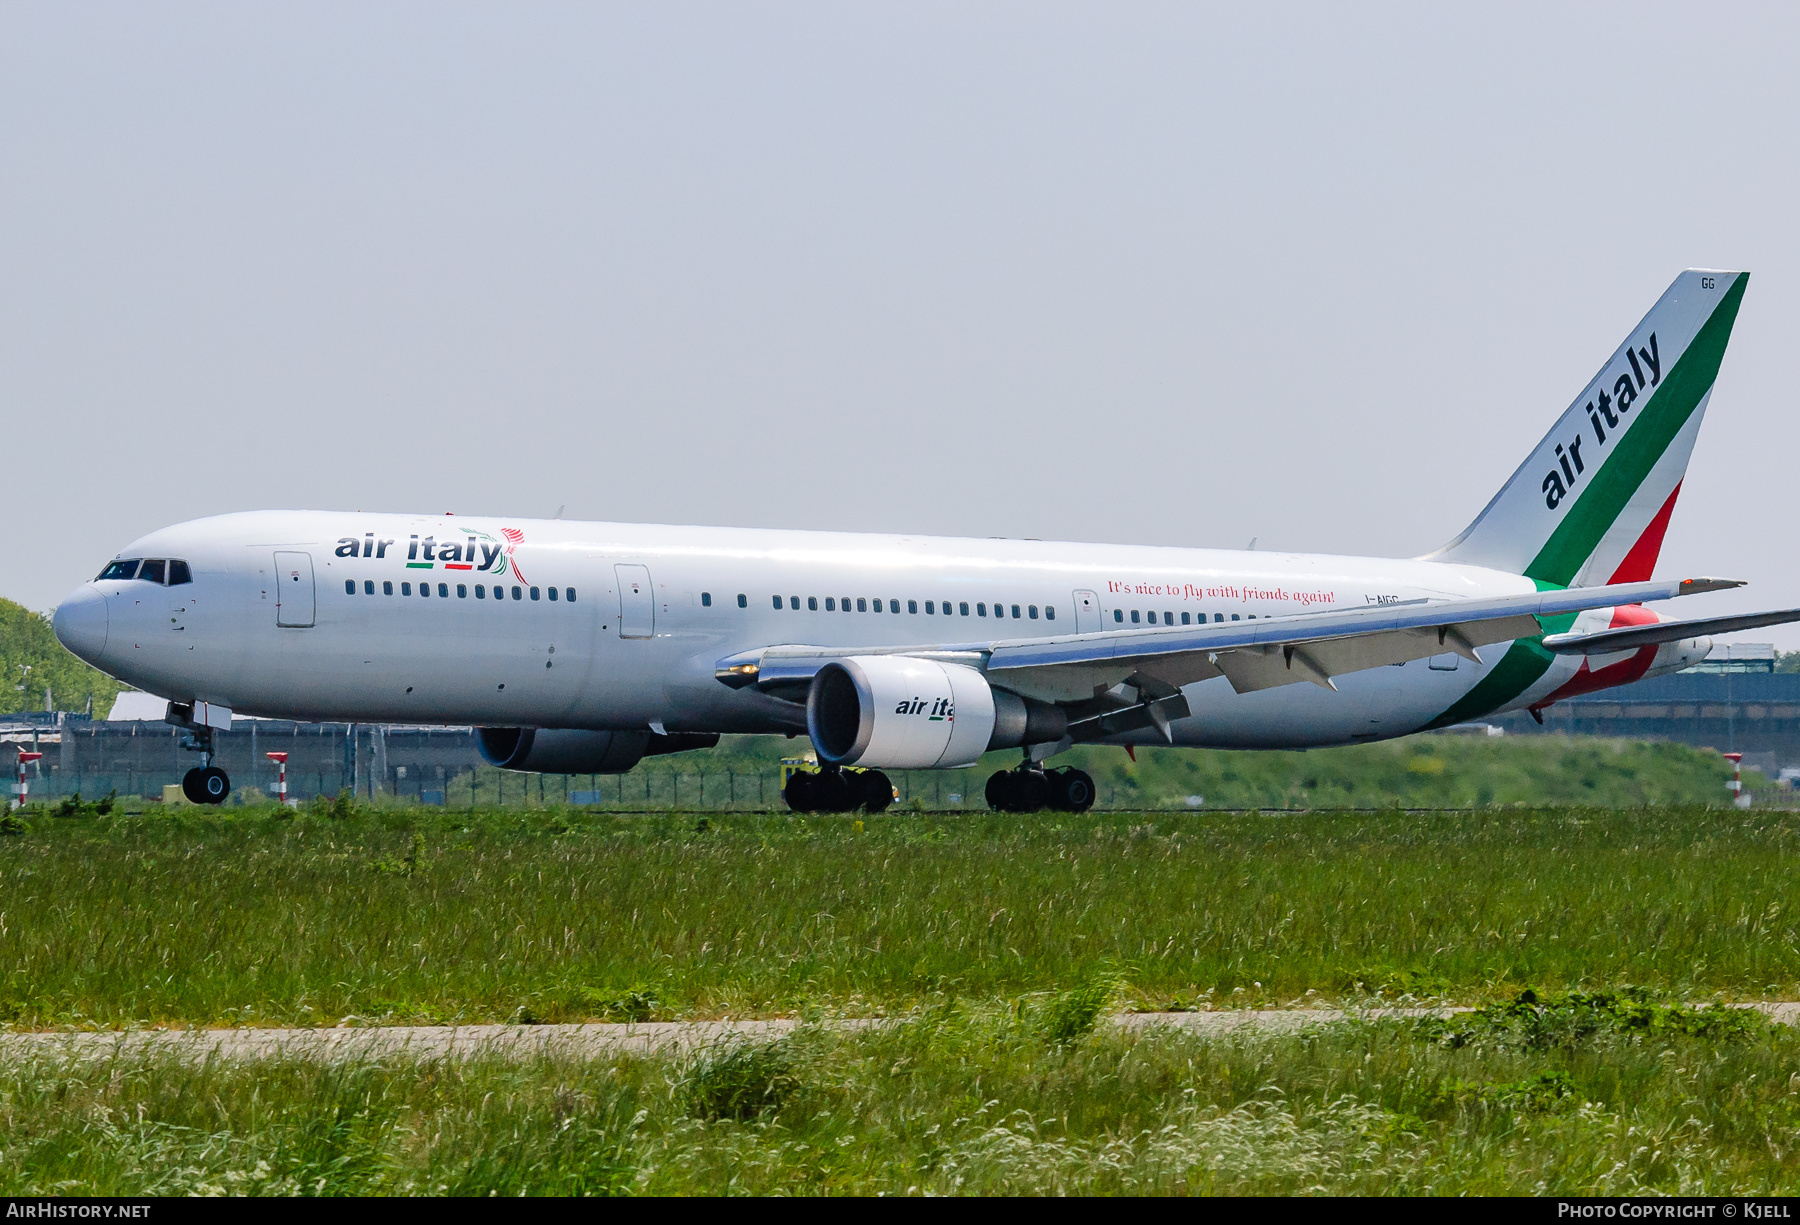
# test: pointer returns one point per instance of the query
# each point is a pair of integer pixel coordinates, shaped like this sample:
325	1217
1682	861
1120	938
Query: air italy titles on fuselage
471	550
1604	413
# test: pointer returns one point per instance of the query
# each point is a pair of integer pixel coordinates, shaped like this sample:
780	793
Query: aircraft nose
81	623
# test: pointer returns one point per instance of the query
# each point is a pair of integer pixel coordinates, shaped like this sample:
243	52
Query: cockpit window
178	573
152	572
119	569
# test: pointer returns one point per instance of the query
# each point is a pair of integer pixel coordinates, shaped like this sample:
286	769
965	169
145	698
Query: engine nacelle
902	713
570	751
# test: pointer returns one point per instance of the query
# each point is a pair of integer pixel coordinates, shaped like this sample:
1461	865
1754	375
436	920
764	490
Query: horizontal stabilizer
1633	636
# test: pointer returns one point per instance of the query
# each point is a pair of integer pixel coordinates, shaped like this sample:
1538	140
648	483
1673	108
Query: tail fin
1591	503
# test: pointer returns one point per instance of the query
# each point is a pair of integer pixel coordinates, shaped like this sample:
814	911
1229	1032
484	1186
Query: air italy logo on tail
467	550
1604	413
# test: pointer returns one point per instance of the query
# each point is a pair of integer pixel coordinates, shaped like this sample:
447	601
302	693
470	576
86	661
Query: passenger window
1217	617
405	588
387	588
743	600
425	589
517	594
552	594
569	595
981	610
178	574
1253	616
812	603
480	592
1184	618
1033	611
912	606
964	606
706	599
534	594
1168	618
152	572
844	603
368	586
462	591
1234	616
443	591
930	611
862	606
1118	614
1049	612
1016	612
778	603
349	586
1134	616
830	604
118	569
794	603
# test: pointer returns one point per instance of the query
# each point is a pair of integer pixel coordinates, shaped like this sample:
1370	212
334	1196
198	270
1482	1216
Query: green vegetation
955	1098
1431	771
254	917
32	660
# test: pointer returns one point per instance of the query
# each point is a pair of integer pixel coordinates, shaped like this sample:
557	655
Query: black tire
835	791
1031	791
1071	790
1000	792
877	790
799	791
206	785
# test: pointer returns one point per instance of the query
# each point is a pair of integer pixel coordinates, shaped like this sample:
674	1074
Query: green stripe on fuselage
1660	418
1523	665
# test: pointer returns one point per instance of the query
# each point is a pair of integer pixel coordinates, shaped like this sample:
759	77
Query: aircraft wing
1154	662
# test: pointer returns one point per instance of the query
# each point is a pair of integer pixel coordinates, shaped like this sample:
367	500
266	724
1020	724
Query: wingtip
1694	586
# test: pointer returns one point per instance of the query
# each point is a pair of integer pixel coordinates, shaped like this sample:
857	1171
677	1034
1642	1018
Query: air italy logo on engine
942	711
469	550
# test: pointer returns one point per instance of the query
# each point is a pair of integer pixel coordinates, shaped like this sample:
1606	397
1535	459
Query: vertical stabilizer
1591	503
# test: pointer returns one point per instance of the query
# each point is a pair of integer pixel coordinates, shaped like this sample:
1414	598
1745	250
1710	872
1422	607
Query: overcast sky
1162	274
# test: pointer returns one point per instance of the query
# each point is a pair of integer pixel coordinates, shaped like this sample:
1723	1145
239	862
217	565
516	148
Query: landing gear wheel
1071	790
835	791
876	789
1020	791
799	791
999	792
206	785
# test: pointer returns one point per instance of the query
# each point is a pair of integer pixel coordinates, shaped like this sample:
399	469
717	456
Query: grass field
1577	1099
999	943
418	915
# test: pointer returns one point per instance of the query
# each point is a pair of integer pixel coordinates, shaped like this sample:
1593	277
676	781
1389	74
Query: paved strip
595	1041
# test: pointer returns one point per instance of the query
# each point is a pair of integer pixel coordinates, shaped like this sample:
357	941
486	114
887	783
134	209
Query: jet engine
902	713
540	750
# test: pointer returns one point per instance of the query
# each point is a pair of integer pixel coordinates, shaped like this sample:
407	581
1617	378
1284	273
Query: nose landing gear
833	789
206	783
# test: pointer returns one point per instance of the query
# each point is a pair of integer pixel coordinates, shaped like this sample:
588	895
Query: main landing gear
1030	788
204	784
832	789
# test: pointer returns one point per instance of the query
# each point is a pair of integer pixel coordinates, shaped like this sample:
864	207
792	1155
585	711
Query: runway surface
595	1041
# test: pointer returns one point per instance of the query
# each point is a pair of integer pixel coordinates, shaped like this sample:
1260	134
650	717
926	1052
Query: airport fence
639	791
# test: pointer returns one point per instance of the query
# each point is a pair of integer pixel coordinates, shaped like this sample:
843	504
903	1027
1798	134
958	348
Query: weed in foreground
1540	1023
739	1080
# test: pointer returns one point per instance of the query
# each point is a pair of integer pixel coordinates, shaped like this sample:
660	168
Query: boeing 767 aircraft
585	647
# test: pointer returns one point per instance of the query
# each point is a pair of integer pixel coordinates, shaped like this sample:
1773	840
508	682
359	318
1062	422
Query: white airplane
583	647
